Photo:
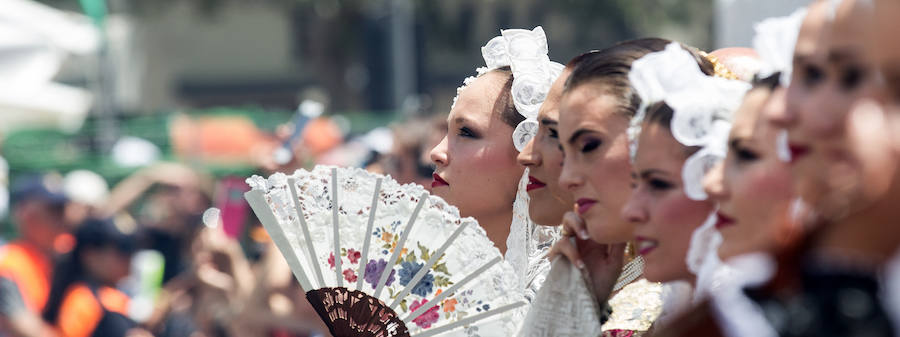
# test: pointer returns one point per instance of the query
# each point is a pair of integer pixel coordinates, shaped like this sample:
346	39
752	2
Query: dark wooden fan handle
352	313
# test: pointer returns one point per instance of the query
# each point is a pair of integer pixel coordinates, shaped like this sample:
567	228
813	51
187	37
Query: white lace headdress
702	108
525	52
775	40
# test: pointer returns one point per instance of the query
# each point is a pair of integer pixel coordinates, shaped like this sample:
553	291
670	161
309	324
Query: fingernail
583	234
579	264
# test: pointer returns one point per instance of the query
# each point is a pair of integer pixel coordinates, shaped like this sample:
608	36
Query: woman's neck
497	228
868	236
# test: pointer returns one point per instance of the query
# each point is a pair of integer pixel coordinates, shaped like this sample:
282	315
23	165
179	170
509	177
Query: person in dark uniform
83	297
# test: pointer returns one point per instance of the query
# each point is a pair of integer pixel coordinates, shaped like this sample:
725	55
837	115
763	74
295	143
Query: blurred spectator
404	163
278	306
176	197
84	300
318	137
26	263
87	192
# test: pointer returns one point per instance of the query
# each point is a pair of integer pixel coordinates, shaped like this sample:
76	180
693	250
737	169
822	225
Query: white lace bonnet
525	52
775	41
703	106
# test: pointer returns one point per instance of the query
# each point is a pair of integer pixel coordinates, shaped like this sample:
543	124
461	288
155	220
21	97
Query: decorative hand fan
377	258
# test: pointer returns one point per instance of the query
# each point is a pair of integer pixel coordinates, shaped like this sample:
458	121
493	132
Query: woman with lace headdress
675	137
491	118
844	173
753	192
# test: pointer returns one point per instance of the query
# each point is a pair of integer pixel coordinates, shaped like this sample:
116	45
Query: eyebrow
803	58
460	120
549	121
739	143
577	134
843	55
647	173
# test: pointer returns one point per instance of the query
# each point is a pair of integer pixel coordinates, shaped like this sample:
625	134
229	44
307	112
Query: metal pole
403	66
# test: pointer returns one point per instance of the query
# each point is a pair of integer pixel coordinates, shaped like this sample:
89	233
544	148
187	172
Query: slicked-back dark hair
608	70
504	105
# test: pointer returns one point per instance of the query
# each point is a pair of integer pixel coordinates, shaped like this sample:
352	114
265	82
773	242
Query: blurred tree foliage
332	35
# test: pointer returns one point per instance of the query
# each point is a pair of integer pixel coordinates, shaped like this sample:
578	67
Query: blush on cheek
683	210
676	218
764	184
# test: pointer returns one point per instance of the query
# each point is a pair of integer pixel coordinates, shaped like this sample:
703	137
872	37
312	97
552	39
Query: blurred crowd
650	189
140	257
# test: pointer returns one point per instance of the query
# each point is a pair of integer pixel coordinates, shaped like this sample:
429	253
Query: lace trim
774	42
635	307
528	244
891	285
565	307
525	52
738	315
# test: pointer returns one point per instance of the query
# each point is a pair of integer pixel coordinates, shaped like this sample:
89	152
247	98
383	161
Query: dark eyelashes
658	184
466	132
553	133
743	154
590	145
746	155
852	77
812	75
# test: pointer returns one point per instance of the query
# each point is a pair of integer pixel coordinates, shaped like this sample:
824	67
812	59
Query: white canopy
34	41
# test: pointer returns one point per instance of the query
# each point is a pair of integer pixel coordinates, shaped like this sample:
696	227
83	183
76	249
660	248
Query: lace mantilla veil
528	244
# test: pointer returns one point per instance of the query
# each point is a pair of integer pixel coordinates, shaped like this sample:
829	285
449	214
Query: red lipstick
798	151
585	204
645	245
533	184
438	181
723	220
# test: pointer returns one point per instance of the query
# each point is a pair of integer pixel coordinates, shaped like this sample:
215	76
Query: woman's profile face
886	53
543	158
752	186
592	130
664	218
804	96
476	167
832	71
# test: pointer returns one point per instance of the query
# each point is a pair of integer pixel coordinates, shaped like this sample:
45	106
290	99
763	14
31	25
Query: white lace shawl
703	257
676	300
891	288
738	315
565	307
528	244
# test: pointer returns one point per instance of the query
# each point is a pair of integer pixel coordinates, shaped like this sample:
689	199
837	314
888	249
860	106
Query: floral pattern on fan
409	250
435	280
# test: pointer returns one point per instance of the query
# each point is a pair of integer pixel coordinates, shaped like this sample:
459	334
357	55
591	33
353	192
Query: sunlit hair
608	70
